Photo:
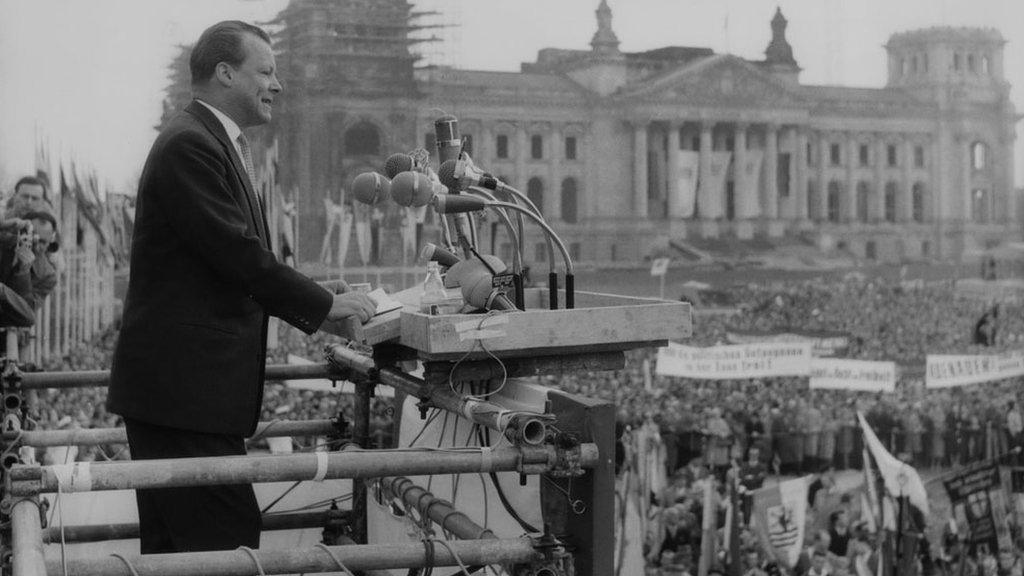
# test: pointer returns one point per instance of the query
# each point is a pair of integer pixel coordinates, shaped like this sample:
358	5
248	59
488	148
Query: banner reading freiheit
860	375
735	362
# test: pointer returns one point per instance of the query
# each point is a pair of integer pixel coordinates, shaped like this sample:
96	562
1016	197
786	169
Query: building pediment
723	80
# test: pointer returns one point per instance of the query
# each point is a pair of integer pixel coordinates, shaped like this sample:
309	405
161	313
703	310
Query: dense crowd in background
708	426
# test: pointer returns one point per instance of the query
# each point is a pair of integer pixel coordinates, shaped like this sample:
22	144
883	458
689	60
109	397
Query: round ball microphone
412	189
478	292
371	188
446	174
397	163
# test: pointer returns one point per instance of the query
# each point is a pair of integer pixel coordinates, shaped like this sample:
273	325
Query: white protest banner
735	362
945	370
689	166
860	375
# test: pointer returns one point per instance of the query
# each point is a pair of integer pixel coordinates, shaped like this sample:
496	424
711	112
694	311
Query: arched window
835	193
979	156
863	201
363	139
569	208
535	192
985	65
917	201
971	66
891	195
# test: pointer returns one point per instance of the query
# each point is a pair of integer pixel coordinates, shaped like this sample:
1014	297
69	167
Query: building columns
553	207
705	202
521	151
740	178
674	210
848	213
640	169
964	149
905	201
879	174
824	159
770	207
800	211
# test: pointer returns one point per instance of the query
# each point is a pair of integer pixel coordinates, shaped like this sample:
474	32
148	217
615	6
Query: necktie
243	145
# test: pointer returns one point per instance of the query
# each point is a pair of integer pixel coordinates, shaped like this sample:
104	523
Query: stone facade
627	153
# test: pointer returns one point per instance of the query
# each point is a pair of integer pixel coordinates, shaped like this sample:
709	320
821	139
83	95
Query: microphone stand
570	273
517	256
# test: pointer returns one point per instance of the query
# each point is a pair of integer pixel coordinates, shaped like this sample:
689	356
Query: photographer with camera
16	257
30	203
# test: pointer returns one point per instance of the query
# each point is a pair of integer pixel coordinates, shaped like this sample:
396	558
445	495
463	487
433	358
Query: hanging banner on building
689	165
712	185
362	225
748	179
946	370
735	362
859	375
979	505
825	343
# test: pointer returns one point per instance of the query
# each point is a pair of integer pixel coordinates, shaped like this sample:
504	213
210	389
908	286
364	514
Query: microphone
415	189
446	133
474	279
451	204
434	253
460	174
397	163
371	188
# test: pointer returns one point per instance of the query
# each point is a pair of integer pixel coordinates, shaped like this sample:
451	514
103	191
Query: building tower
960	72
350	89
779	58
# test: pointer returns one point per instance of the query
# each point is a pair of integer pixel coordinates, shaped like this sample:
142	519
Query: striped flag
780	513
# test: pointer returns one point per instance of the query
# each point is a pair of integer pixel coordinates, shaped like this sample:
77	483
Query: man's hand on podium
351	305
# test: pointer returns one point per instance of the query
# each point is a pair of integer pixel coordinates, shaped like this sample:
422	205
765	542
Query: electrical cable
484	436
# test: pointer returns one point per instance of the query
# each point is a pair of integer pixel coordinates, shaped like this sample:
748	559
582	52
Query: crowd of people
708	426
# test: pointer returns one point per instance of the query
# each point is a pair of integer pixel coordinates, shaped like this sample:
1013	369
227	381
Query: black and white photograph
512	287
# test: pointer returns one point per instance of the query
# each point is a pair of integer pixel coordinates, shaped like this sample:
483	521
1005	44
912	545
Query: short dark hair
30	180
221	42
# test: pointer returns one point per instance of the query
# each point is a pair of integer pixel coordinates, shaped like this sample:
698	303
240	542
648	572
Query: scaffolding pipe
29	480
100	436
520	427
309	560
442	512
86	378
27	539
271	522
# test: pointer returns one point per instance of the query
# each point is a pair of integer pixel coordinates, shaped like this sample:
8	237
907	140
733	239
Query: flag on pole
780	513
900	479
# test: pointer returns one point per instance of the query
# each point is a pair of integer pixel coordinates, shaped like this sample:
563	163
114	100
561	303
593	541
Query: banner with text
979	504
946	370
859	375
825	342
735	362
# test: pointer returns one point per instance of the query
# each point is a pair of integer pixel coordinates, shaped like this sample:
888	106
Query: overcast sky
89	74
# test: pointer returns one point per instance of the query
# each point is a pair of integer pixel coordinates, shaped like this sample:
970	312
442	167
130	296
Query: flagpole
898	556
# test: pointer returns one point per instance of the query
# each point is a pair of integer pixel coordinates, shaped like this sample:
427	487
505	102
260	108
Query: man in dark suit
188	368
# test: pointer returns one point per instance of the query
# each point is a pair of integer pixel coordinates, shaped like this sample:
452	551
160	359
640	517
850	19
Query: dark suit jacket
192	346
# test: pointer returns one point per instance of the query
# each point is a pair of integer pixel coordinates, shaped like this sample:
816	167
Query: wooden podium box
599	322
